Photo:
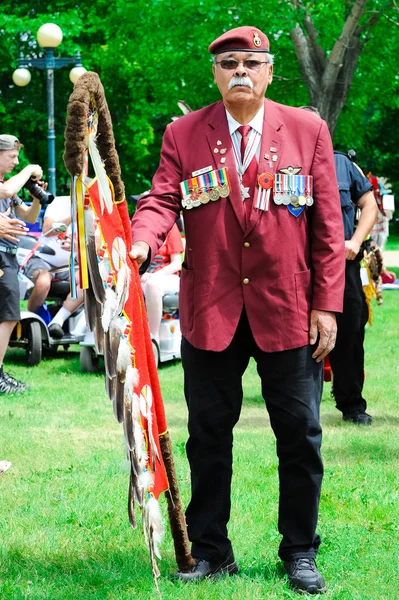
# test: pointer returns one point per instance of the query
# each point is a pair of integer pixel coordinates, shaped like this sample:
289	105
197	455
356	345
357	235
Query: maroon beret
249	39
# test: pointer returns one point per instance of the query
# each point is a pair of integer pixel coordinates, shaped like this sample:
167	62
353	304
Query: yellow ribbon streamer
84	276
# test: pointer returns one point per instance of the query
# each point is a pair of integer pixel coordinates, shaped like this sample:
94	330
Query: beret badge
257	40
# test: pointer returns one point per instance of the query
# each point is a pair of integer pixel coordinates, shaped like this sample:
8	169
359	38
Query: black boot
304	576
204	569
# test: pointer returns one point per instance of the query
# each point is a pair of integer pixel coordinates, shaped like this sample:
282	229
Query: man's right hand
139	252
10	228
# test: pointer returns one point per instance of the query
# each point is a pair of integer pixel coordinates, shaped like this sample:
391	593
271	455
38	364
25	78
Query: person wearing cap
12	210
262	277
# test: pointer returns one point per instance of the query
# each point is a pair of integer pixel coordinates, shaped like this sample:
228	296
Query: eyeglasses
231	64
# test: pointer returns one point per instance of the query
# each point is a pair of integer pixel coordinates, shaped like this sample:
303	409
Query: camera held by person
13	213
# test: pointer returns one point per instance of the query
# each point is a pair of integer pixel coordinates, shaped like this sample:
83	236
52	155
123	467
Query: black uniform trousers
347	358
291	387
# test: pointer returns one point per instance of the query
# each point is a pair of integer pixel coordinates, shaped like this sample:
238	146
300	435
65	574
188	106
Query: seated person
39	267
162	278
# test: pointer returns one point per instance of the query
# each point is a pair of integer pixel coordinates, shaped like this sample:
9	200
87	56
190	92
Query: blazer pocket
303	291
186	298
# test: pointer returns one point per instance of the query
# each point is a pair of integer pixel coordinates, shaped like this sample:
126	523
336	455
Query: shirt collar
256	123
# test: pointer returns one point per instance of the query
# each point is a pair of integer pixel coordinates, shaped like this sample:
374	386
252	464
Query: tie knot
244	130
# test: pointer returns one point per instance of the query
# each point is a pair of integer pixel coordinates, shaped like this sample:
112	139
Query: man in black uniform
347	358
11	228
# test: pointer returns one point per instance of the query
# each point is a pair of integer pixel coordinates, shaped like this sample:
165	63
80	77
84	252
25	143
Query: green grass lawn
64	527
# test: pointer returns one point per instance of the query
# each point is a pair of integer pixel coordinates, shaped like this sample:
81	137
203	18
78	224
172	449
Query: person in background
161	278
13	211
263	276
40	266
347	357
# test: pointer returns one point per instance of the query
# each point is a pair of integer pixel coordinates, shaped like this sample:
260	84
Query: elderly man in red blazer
263	277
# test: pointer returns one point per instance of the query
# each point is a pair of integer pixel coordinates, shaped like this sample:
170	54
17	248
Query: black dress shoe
359	418
304	576
56	331
204	569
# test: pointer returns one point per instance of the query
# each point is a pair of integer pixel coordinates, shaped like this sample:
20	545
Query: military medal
301	188
214	194
205	187
204	198
242	163
224	190
308	190
294	200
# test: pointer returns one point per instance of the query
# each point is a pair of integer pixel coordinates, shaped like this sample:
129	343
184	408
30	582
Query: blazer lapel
220	133
271	145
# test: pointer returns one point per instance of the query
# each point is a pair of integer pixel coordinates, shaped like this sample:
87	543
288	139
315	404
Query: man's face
258	77
8	160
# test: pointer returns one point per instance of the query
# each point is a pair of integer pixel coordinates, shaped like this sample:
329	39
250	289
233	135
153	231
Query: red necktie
249	177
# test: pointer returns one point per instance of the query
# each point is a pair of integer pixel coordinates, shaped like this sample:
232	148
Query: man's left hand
323	323
351	249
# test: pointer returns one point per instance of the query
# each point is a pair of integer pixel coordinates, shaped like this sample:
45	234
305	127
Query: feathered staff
115	312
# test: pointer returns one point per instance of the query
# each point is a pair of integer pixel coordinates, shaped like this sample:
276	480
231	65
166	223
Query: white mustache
245	81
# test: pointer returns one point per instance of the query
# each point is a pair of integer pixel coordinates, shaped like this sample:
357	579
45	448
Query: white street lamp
49	35
21	77
75	73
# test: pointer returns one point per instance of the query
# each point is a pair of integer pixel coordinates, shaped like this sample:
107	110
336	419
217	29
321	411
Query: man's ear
214	72
270	74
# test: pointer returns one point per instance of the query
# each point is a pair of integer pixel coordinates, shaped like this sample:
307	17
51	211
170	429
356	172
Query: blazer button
246	244
245	281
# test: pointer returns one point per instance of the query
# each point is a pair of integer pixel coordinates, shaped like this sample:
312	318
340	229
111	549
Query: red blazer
290	264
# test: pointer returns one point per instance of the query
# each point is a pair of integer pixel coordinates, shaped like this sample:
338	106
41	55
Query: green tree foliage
152	53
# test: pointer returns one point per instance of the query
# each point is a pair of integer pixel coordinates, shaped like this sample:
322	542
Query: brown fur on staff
176	517
89	87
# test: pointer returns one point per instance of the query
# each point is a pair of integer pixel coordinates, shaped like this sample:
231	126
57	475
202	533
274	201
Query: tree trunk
328	78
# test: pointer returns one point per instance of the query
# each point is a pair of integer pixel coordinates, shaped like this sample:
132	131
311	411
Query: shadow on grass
18	356
335	420
57	575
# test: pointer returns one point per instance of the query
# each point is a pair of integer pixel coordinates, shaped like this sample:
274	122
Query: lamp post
49	37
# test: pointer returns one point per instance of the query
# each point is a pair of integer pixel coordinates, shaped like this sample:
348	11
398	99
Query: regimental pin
273	149
223	160
267	156
216	150
274	157
257	40
223	151
219	143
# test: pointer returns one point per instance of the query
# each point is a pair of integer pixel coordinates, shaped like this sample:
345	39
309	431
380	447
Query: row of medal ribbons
203	188
293	189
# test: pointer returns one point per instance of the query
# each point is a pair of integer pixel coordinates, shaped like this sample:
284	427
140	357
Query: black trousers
291	387
347	358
